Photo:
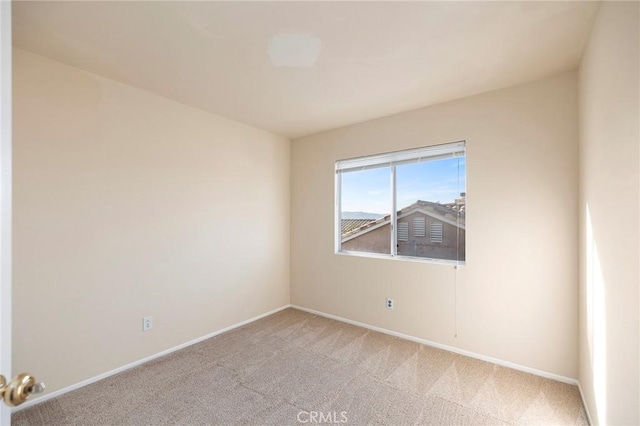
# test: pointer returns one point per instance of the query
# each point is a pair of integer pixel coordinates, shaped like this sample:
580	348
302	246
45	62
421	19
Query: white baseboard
503	363
497	361
59	392
584	404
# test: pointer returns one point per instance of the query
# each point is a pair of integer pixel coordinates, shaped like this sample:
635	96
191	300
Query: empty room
253	213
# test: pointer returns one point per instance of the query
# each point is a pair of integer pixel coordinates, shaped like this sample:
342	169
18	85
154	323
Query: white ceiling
376	58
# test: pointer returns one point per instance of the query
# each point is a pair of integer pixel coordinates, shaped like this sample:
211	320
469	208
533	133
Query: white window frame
391	160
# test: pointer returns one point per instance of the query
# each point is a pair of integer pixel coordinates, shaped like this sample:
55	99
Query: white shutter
419	227
403	231
435	232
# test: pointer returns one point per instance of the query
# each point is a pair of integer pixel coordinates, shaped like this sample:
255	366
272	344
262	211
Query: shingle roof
449	210
351	224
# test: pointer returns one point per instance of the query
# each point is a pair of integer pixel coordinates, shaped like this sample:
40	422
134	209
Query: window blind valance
429	153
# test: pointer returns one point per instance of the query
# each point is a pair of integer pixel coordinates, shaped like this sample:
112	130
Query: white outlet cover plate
147	323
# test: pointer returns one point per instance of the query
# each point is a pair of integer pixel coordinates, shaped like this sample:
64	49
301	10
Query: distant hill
361	215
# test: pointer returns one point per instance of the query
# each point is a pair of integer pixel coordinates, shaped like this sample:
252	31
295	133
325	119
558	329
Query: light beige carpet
293	367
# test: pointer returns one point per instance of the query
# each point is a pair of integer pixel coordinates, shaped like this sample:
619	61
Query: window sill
453	263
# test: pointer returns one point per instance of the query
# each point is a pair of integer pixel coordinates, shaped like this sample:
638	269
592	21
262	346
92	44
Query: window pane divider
394	214
338	213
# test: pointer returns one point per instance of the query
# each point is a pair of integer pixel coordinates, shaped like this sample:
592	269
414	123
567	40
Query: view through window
408	203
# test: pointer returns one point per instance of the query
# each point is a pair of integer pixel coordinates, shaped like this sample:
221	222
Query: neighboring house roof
452	213
351	224
456	207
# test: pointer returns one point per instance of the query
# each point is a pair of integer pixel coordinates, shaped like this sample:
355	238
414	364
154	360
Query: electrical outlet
147	323
389	303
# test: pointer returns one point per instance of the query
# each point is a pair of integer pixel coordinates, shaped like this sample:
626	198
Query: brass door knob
19	389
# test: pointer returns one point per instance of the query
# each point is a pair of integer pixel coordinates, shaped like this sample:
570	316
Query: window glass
431	192
365	210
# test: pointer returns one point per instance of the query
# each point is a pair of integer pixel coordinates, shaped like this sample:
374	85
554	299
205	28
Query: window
378	197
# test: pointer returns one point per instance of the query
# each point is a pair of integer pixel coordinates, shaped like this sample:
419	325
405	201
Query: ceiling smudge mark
294	50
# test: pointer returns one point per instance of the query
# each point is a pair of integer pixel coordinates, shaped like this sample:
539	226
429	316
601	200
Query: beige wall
128	204
517	294
610	217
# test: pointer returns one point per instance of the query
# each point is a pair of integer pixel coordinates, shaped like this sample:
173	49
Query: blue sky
369	191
